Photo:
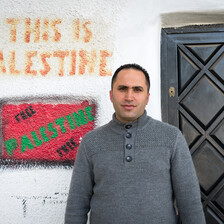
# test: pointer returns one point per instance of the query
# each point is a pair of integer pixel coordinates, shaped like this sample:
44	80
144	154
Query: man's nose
129	95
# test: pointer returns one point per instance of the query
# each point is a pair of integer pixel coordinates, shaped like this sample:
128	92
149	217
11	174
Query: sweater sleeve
185	184
80	193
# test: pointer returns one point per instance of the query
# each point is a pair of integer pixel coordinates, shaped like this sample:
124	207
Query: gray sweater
131	173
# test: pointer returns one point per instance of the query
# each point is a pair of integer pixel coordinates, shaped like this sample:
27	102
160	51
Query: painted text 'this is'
46	30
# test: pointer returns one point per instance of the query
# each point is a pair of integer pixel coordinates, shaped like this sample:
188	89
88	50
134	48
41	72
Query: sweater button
128	135
128	158
128	126
128	146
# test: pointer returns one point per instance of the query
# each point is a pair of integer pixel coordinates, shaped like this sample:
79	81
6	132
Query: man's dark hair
131	66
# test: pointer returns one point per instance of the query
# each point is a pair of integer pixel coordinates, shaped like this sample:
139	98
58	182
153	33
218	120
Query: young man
130	170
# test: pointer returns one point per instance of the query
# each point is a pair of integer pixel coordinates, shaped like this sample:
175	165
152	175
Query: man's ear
111	97
148	97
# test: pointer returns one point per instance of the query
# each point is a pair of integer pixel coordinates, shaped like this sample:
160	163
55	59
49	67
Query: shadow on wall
44	130
191	18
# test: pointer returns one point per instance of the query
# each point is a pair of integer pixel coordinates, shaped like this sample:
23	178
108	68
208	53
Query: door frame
169	78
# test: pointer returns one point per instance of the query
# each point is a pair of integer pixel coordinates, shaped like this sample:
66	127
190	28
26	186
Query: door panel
192	63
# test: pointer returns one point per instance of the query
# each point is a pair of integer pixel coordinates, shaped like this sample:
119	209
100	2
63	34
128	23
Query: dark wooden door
192	77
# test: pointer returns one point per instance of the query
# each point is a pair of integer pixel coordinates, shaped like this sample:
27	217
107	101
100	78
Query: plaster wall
110	33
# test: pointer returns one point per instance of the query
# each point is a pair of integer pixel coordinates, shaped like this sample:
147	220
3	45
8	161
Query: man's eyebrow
137	87
130	87
122	86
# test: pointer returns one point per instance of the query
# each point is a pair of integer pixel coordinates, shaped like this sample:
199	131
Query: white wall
130	29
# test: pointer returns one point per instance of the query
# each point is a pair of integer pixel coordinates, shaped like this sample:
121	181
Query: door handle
172	91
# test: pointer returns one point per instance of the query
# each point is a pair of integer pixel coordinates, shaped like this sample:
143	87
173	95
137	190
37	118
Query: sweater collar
138	123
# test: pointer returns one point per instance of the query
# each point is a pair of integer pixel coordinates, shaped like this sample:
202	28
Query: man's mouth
128	106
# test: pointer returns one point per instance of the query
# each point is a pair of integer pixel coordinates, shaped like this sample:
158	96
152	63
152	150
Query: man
131	170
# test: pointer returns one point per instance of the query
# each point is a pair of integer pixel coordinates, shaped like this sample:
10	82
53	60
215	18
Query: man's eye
122	88
138	89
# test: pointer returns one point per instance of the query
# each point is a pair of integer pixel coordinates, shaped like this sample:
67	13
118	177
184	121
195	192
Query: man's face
129	95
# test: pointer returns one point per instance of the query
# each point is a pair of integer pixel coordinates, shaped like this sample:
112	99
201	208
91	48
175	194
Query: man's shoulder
96	133
159	132
161	125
